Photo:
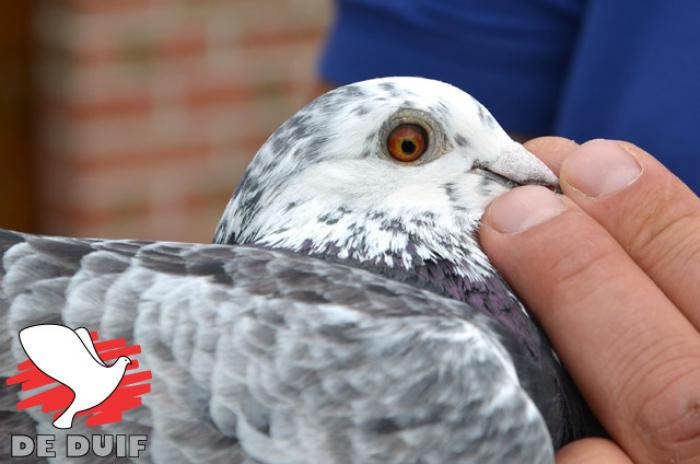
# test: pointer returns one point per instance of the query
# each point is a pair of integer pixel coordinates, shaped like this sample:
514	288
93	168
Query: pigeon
70	358
346	312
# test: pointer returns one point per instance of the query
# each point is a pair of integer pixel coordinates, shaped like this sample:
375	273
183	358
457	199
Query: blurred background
136	118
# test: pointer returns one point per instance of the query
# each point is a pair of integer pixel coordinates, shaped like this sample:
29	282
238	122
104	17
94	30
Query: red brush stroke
56	399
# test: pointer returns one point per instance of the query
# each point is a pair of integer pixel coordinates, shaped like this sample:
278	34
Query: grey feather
328	369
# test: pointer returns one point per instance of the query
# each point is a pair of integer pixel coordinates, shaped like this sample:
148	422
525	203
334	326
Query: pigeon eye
407	142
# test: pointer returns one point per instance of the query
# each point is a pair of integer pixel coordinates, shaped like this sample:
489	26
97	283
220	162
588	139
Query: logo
78	377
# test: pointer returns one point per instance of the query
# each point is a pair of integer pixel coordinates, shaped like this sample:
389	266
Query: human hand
612	271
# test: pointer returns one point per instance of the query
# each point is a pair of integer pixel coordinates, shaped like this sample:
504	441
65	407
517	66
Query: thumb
592	451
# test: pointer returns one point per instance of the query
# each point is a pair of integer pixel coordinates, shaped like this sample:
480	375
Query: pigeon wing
278	357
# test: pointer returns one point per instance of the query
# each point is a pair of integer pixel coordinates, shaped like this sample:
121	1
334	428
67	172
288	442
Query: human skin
611	268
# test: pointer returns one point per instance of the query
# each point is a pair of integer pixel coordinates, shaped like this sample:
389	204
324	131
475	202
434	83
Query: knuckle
664	227
582	270
677	243
661	217
668	421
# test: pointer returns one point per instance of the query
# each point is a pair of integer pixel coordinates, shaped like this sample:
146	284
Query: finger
592	451
551	150
635	357
649	211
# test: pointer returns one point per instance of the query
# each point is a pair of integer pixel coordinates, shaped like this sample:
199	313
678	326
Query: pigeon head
390	172
122	361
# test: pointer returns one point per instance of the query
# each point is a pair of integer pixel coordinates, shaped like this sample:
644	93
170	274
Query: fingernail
523	208
600	167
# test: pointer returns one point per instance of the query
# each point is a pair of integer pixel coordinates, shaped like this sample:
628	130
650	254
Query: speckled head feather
325	184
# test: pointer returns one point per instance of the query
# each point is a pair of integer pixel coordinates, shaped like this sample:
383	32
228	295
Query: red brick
103	6
125	107
138	159
153	108
138	211
232	93
179	47
282	38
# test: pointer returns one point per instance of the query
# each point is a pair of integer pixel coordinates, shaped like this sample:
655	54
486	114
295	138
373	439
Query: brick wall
151	109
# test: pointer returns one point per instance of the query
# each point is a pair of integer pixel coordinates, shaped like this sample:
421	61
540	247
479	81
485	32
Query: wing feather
265	356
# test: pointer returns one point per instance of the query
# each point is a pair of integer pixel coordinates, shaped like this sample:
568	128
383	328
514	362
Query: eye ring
407	142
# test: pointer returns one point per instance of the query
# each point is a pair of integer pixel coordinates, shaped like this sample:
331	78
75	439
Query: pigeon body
346	313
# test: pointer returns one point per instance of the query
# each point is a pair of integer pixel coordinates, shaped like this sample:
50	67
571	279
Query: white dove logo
69	357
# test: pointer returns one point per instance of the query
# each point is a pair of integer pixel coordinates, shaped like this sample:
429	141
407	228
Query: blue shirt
581	69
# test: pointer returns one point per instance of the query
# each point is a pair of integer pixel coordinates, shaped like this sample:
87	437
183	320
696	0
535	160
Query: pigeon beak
522	167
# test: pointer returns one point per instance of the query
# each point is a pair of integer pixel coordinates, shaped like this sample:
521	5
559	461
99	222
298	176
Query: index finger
635	357
656	219
650	212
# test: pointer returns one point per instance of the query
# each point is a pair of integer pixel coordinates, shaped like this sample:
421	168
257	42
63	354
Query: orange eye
407	142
